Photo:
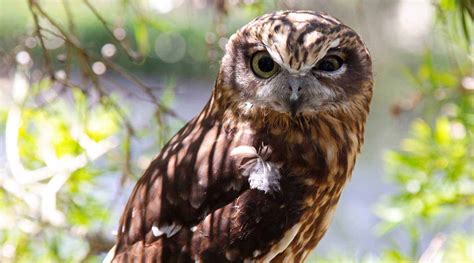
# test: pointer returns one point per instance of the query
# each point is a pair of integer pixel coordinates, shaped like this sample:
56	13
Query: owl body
256	176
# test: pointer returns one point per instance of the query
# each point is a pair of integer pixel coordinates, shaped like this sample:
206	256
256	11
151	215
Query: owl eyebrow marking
323	52
305	56
335	43
299	66
297	54
281	62
349	34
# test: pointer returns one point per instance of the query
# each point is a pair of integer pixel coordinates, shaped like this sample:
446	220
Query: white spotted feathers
168	230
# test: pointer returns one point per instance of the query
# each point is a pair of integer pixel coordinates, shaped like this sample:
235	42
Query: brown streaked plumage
256	176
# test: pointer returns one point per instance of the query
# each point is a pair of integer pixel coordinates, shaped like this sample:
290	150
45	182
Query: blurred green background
90	91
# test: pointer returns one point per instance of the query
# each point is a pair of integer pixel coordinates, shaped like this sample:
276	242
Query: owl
257	174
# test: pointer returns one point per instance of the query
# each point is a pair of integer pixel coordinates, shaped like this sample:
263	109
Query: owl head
296	63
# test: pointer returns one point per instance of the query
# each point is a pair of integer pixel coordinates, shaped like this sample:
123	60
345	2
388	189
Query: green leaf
421	129
442	135
142	37
167	97
101	124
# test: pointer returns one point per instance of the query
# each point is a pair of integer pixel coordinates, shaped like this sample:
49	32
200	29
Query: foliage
433	170
49	191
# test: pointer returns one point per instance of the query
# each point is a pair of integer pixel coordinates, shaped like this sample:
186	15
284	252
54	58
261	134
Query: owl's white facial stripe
311	38
276	56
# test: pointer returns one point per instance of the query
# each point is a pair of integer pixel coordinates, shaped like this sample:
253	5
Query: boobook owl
256	176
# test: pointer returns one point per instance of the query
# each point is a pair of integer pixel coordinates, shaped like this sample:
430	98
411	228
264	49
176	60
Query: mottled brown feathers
246	179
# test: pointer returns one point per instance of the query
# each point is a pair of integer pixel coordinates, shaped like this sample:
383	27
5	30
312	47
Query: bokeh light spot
170	47
108	50
30	42
119	33
60	75
23	58
99	68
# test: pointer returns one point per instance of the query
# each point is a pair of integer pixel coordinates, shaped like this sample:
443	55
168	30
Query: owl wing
193	176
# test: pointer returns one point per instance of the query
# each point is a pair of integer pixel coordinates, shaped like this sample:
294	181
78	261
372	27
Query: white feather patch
263	174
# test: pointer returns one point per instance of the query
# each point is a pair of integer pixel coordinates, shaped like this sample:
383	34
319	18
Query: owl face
297	62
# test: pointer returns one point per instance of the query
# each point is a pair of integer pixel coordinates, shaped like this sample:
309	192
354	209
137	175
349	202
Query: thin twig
86	69
130	53
47	60
69	16
145	88
71	38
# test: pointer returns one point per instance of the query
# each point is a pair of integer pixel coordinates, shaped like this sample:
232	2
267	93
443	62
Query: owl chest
299	240
316	187
313	174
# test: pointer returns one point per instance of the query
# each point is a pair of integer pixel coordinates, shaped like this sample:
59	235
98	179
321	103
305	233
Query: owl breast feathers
256	175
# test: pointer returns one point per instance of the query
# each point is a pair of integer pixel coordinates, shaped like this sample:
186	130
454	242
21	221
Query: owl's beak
294	103
294	84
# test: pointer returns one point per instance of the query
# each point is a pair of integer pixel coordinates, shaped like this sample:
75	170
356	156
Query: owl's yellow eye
263	65
330	63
